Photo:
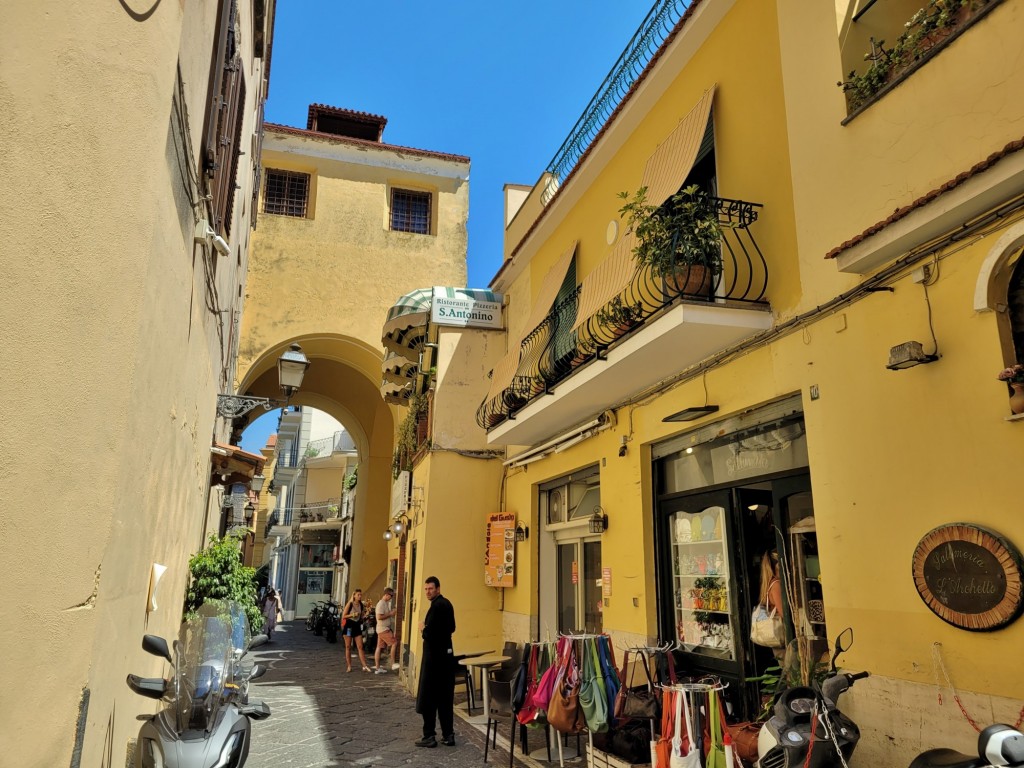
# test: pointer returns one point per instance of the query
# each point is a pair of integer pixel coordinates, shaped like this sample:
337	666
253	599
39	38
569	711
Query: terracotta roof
339	112
235	452
271	441
363	142
611	119
953	183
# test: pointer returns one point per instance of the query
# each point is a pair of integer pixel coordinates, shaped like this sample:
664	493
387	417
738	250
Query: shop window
410	211
316	555
287	193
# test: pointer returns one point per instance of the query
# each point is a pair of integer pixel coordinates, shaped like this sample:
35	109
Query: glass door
578	585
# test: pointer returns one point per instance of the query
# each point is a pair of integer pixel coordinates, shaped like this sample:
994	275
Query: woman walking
352	617
271	611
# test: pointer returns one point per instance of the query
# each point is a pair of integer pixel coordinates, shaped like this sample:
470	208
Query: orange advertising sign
500	552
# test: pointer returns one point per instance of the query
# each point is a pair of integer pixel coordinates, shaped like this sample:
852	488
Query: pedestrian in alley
272	612
352	627
435	698
385	611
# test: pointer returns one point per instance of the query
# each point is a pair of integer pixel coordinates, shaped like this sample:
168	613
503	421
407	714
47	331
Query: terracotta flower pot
694	280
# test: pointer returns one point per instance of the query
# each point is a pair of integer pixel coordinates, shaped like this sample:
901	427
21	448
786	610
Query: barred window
287	193
410	211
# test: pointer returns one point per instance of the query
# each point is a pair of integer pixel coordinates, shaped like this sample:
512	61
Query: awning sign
464	310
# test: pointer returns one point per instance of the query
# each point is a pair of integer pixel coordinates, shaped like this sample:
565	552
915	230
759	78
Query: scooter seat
947	758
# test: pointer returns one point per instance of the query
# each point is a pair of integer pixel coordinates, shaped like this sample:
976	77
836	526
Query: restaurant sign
464	310
969	576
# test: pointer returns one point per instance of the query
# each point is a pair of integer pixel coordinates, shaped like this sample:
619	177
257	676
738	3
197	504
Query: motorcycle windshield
203	669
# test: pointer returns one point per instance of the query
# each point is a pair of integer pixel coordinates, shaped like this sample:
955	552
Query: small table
483	663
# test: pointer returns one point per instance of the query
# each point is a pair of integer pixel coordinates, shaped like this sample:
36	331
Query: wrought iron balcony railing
560	344
639	51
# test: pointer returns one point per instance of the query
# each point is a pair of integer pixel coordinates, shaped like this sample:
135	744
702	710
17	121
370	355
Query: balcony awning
668	167
505	371
666	170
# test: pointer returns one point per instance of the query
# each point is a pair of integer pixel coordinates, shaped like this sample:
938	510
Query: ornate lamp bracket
233	406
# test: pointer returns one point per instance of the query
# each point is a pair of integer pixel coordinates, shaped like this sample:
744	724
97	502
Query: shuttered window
223	122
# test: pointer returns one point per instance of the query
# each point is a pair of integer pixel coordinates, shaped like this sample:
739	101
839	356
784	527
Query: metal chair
464	676
500	684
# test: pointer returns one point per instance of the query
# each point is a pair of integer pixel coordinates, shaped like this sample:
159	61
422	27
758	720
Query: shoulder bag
563	713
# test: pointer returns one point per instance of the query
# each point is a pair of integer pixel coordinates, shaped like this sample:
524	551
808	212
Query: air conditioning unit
400	493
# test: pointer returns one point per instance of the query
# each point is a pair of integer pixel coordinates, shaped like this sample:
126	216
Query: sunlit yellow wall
323	484
114	352
328	281
892	454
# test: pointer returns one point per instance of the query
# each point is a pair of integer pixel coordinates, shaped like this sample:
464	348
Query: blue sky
500	82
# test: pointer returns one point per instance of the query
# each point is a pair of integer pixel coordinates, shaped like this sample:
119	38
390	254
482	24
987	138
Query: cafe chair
464	676
499	686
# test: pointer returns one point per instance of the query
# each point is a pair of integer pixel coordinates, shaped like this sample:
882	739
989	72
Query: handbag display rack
693	732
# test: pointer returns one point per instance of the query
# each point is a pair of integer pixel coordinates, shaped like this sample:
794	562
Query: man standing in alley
436	695
385	611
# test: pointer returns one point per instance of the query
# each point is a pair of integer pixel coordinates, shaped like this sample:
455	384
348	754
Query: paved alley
322	716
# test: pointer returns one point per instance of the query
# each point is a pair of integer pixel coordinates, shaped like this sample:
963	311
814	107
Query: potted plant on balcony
680	241
618	317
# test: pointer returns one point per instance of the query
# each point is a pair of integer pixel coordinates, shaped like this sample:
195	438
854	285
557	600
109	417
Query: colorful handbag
593	699
563	712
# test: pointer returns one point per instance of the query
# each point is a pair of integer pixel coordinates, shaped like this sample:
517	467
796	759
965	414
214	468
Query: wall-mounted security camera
206	234
221	245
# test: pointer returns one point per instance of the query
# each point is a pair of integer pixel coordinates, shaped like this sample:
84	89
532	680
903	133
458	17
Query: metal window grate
287	193
410	211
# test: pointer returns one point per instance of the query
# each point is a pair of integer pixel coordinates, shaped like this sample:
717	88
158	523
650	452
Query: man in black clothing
436	695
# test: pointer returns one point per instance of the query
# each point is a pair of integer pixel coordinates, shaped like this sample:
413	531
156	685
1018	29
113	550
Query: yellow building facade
657	455
348	223
127	129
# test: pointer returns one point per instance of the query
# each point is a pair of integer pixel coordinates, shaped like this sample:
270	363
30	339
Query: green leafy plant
405	438
217	573
350	480
682	233
616	313
768	683
311	452
926	29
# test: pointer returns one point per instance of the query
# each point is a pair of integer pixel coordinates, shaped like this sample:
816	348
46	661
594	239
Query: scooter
807	719
998	745
205	722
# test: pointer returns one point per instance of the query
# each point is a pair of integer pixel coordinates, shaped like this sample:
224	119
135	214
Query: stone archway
343	380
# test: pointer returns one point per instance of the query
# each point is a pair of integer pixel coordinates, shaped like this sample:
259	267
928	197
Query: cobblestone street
323	716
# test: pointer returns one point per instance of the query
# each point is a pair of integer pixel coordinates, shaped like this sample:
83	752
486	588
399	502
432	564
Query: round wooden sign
969	576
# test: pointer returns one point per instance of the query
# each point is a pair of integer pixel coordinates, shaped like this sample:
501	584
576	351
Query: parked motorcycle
998	745
370	632
807	719
205	721
331	621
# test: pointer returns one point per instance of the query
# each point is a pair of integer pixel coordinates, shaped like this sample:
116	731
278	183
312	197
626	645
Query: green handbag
593	698
716	755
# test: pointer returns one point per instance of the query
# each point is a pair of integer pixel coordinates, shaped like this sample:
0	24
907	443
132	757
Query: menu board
500	554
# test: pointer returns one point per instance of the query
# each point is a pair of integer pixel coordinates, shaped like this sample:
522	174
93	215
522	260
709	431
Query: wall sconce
256	484
598	521
250	512
291	368
907	355
399	528
522	532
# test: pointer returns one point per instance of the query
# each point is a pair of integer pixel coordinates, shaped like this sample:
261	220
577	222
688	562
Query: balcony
569	370
326	513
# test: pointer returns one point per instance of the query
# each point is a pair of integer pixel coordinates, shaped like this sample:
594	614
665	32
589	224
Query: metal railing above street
559	345
638	53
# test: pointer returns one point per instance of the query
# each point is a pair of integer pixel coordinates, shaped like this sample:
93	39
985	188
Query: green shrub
218	574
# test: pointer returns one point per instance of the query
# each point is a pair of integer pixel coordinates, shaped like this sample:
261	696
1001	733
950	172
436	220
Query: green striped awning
404	333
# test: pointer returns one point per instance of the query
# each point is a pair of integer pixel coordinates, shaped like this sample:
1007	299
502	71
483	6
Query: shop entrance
718	544
570	555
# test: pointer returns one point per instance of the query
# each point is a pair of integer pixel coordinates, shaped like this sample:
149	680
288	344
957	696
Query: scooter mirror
156	646
258	670
257	641
843	643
